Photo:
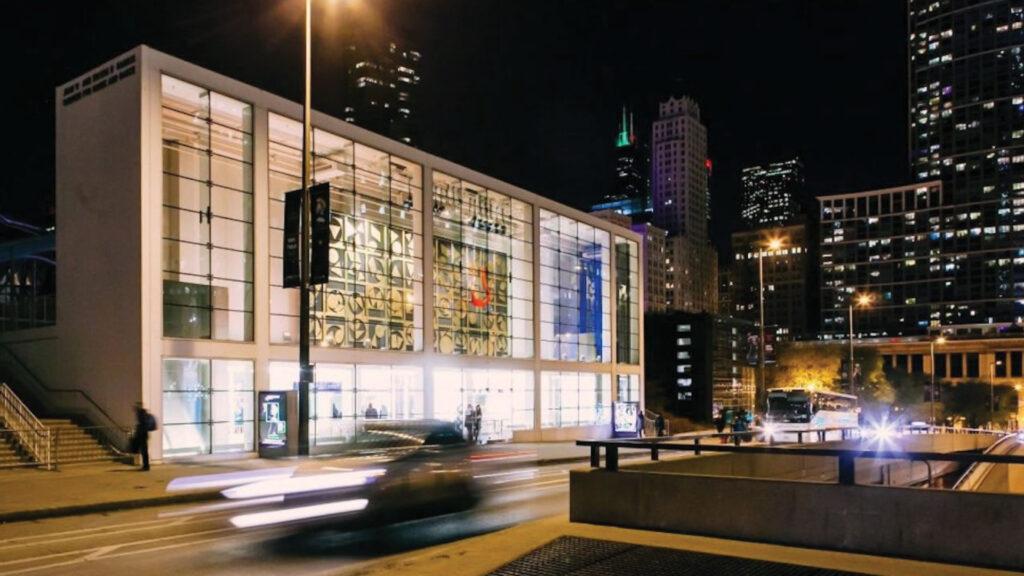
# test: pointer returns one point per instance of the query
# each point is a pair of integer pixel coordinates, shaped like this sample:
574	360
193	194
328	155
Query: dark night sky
527	91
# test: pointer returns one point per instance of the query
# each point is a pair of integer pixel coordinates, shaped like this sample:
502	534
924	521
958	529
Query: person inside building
371	412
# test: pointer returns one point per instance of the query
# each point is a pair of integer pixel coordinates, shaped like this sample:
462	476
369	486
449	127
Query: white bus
796	409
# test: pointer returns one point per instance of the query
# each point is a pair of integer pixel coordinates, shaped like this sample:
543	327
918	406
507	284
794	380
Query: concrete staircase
72	444
9	453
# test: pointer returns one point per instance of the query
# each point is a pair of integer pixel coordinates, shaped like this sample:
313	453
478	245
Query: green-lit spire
624	129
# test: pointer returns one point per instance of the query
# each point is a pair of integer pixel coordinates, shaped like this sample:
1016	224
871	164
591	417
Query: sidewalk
31	494
485	554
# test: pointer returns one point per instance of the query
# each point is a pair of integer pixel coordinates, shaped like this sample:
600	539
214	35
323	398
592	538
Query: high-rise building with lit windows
679	178
899	247
772	194
381	85
966	128
682	205
790	280
630	194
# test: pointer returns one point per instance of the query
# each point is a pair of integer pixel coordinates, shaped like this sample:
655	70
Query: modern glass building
630	194
772	194
447	287
966	128
381	88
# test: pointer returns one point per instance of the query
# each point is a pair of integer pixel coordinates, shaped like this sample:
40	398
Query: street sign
320	233
292	275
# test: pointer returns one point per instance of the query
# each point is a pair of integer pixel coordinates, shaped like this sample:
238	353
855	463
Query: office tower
381	85
653	254
891	246
772	194
790	280
966	129
630	194
680	169
682	205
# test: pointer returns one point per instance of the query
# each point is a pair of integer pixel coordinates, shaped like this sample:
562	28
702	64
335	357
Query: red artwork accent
478	301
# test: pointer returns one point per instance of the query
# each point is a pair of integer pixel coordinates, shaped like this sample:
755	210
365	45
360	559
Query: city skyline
566	113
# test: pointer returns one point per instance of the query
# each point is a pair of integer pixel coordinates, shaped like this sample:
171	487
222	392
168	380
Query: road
180	540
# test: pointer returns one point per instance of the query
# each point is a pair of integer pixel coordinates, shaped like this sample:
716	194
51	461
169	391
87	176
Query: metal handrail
31	434
36	382
845	456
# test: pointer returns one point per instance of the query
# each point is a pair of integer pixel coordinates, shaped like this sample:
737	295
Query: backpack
150	422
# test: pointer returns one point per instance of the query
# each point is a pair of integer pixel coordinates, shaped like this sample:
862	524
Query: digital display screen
273	420
624	417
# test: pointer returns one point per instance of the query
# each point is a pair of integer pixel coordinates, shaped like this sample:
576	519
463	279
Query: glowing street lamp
773	244
862	300
939	340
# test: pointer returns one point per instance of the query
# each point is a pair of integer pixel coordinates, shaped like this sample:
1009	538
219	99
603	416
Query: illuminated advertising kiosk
278	424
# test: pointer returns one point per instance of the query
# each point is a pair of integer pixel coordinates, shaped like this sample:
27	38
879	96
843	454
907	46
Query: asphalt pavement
197	539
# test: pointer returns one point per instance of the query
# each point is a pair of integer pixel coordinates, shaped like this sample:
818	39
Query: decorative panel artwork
369	300
471	300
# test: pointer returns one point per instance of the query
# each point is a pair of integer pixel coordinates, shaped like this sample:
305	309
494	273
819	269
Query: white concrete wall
99	238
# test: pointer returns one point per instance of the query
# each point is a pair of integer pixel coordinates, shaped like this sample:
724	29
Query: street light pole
760	283
305	369
931	395
850	369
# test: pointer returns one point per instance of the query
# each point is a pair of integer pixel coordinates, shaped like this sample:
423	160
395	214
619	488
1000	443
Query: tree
873	386
805	365
972	401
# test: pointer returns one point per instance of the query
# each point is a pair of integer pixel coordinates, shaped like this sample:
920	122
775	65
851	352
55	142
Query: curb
81	509
61	511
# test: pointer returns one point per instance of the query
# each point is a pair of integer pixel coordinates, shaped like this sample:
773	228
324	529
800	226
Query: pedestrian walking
640	423
144	424
478	421
659	425
469	422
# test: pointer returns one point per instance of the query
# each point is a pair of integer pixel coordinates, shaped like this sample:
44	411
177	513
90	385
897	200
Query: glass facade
627	301
373	298
344	395
575	399
207	406
207	214
510	282
505	398
575	311
483	271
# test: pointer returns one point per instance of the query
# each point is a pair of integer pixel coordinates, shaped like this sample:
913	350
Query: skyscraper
790	280
630	194
966	128
380	89
680	176
682	205
773	194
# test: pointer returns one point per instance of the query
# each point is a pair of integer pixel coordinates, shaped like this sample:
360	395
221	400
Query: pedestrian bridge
850	495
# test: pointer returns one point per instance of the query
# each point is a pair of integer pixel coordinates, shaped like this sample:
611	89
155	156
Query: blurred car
407	470
918	427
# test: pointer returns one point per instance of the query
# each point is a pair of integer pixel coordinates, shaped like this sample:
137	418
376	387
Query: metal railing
70	401
56	445
31	435
846	458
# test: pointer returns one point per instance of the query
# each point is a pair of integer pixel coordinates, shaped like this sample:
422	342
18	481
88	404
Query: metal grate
570	555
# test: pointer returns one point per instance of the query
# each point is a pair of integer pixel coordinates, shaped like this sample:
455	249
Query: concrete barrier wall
942	526
823	468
